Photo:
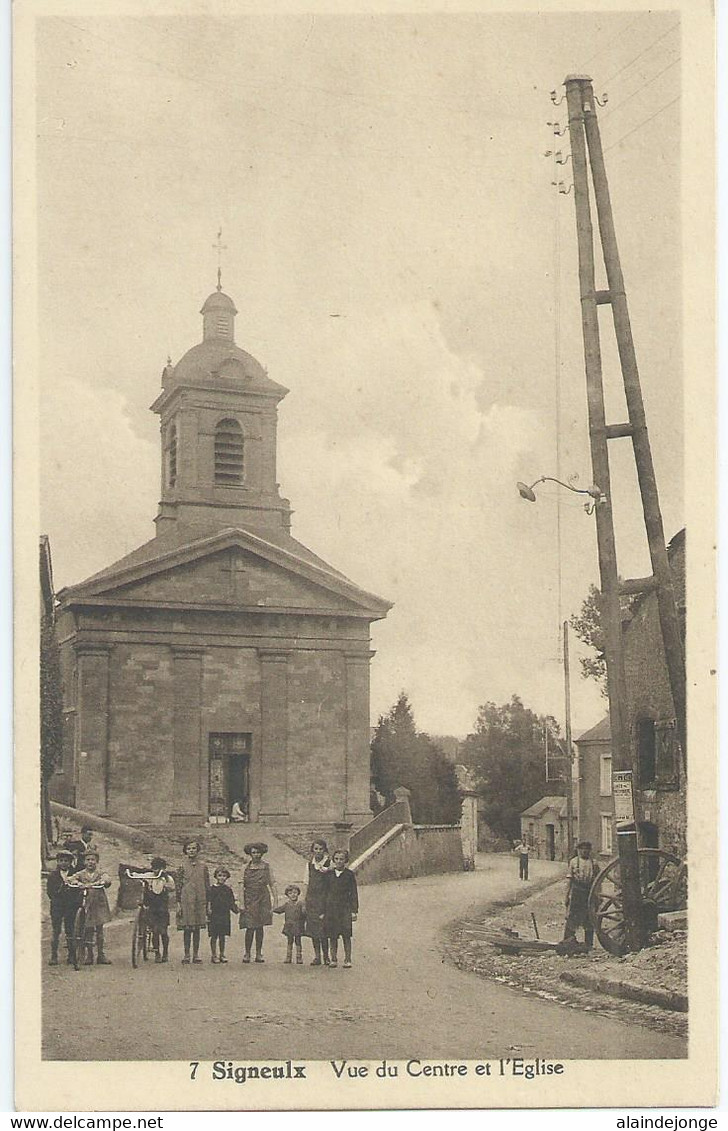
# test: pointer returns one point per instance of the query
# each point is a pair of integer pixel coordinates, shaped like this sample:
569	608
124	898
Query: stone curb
629	991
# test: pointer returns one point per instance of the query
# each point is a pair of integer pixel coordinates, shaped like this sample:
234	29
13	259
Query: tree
404	756
507	753
587	625
51	702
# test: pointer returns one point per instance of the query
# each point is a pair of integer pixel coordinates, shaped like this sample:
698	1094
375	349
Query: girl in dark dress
259	895
221	902
317	872
342	906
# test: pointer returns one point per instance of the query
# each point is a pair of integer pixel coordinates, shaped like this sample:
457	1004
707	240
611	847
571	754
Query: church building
221	661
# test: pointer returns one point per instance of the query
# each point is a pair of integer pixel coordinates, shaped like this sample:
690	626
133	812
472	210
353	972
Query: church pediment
234	569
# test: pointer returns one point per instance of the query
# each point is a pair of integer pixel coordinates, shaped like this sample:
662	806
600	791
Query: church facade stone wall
221	661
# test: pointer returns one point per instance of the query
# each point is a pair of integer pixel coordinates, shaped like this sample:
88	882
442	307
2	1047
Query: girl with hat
259	895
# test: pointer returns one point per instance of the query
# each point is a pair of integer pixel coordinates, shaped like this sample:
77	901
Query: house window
666	752
605	775
606	834
646	751
172	455
229	453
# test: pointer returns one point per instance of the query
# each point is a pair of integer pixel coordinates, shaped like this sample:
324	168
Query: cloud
407	484
100	480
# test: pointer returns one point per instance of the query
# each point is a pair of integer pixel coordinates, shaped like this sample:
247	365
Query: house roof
552	801
599	733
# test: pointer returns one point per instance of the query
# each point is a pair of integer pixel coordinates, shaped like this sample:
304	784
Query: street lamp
595	493
596	496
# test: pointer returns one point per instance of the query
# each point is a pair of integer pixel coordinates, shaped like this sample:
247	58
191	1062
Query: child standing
293	923
342	907
316	879
259	895
193	885
157	887
98	911
65	902
221	902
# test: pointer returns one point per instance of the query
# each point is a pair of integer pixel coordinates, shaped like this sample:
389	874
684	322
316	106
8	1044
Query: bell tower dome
218	317
218	414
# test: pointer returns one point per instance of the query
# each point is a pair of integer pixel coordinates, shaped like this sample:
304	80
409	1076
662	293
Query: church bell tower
218	414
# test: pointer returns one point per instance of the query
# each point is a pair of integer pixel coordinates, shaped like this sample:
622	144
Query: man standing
580	876
521	850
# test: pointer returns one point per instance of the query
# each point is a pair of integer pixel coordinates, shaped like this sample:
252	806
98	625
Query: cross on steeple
220	248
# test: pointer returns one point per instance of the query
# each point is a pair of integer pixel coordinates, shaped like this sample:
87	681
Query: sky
388	171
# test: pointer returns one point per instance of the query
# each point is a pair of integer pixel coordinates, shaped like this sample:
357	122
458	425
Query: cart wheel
79	937
663	881
137	937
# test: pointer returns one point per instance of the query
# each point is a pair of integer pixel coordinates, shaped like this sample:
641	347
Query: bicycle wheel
137	937
79	940
146	945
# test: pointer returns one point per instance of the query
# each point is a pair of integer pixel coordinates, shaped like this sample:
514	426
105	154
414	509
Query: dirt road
400	1000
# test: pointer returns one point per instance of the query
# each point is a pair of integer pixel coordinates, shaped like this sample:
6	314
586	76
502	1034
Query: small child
293	924
342	907
65	902
220	902
98	911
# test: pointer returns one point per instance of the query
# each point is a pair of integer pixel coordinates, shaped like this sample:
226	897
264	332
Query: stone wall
145	689
418	850
649	697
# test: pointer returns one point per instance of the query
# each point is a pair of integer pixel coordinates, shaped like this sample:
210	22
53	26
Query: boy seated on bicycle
158	884
96	905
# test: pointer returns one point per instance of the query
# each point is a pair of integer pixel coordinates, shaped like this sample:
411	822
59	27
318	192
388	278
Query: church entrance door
229	774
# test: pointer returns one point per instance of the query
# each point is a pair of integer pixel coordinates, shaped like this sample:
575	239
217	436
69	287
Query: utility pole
661	580
580	102
569	748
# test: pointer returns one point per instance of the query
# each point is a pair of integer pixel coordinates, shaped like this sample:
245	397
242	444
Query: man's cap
584	844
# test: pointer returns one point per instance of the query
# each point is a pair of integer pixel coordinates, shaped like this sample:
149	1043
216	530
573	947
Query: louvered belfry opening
229	453
172	454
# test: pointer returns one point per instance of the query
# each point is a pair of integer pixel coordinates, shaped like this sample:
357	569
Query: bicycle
133	884
83	943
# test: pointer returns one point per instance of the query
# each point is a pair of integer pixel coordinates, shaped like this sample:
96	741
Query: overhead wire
644	51
614	39
641	124
647	82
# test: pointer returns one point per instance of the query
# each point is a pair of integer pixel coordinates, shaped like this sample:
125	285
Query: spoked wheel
138	938
79	937
663	881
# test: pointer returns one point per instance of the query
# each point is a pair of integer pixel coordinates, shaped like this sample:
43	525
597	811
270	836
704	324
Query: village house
221	661
659	763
